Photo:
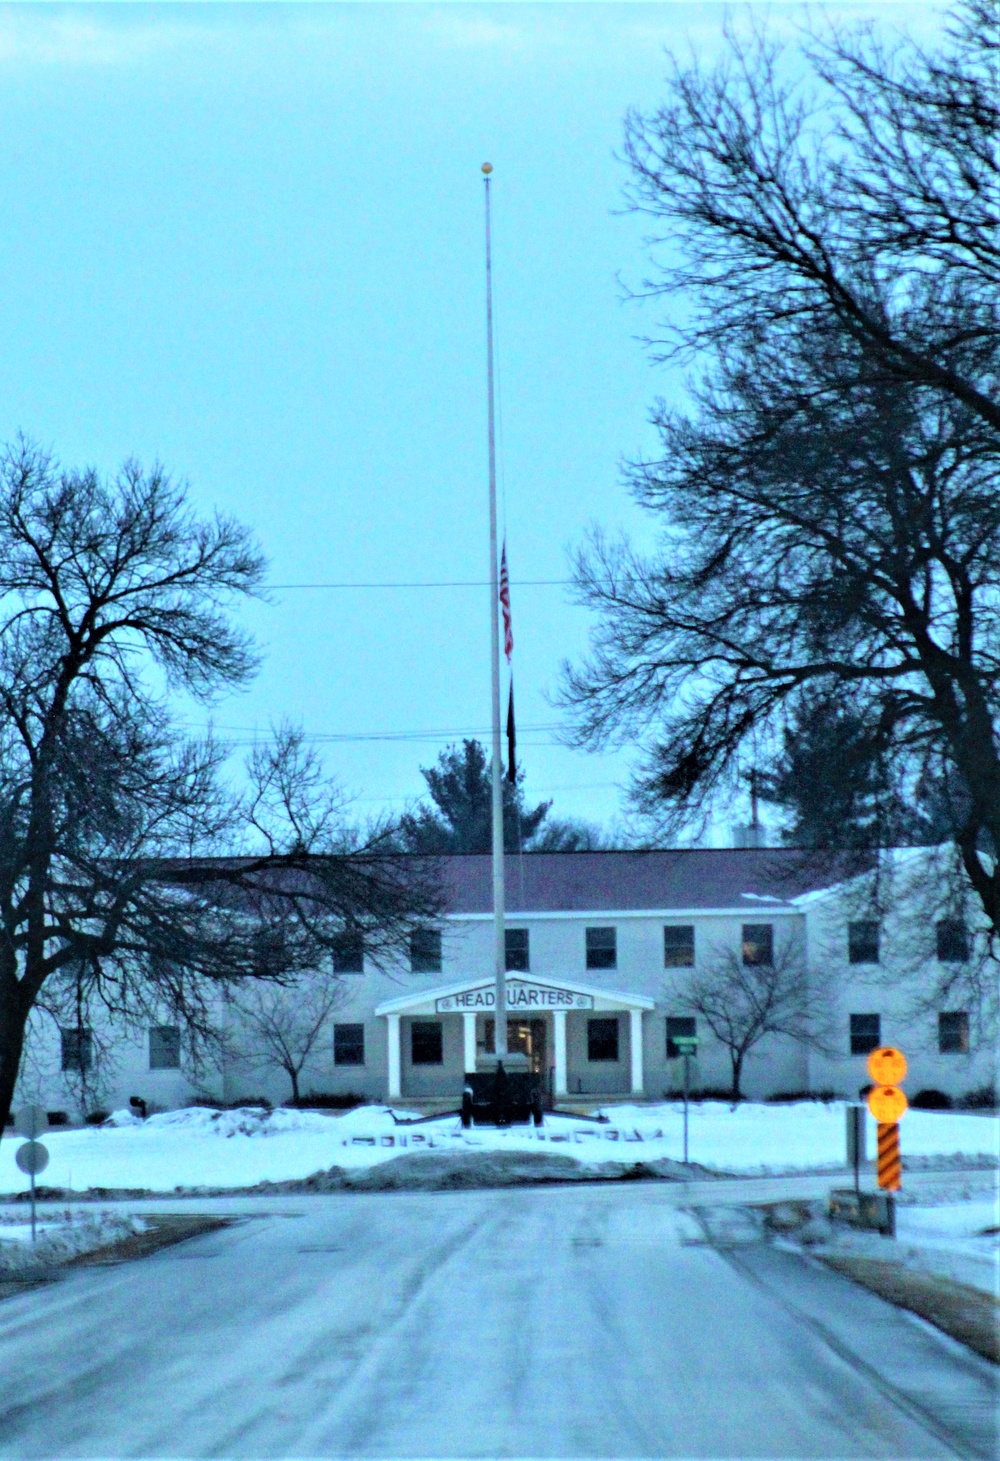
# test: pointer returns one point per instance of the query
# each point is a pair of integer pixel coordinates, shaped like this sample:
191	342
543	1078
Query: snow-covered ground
199	1147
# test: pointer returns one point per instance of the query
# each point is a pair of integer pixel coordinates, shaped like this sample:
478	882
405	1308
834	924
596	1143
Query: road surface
590	1321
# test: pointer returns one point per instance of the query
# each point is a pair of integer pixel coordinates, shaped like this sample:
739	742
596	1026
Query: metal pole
687	1083
32	1202
500	952
858	1119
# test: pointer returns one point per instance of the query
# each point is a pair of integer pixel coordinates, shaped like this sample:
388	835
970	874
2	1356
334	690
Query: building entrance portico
582	1039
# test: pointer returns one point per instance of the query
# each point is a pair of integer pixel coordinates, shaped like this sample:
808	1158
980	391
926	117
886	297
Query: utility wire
454	583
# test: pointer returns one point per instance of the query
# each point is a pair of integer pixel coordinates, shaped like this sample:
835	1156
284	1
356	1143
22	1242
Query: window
517	949
679	1025
758	943
862	942
425	1042
601	951
866	1033
952	941
77	1049
678	946
602	1039
348	1044
165	1047
349	954
425	951
953	1032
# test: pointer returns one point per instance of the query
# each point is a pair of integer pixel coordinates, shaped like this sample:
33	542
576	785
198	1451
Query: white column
395	1076
635	1045
469	1037
559	1041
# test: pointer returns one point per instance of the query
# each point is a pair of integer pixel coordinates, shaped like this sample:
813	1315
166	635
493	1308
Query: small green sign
686	1044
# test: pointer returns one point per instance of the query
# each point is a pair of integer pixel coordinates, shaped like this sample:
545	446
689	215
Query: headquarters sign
521	996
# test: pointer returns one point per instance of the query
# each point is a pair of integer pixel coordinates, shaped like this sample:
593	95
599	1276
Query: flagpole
499	941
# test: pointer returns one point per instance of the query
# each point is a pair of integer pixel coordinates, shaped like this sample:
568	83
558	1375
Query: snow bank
66	1237
202	1147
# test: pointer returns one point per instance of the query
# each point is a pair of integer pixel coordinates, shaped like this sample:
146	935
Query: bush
320	1102
782	1096
931	1100
96	1118
58	1118
983	1098
703	1093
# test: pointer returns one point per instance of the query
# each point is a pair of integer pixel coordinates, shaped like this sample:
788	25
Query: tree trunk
12	1026
294	1075
736	1058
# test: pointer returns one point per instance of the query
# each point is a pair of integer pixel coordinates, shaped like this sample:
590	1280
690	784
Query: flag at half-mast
508	648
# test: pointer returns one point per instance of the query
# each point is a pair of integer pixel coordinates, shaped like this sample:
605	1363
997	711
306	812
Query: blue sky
247	241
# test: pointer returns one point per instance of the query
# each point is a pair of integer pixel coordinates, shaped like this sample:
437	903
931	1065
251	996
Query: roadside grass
965	1313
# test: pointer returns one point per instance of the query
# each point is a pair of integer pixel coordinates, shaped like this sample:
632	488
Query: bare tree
281	1025
828	509
743	1002
133	877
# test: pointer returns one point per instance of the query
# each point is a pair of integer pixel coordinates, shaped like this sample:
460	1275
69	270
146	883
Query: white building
600	945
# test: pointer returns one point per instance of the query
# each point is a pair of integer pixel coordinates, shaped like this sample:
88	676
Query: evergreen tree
461	818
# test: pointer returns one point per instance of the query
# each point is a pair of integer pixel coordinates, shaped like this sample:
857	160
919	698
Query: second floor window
516	941
758	943
349	954
866	1034
425	951
601	948
862	942
952	939
678	946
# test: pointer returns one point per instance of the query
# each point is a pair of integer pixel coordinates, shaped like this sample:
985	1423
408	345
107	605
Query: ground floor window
602	1039
165	1047
679	1025
866	1033
348	1044
77	1049
426	1046
953	1032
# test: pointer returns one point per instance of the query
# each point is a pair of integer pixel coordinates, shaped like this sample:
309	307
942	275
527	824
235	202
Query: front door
524	1035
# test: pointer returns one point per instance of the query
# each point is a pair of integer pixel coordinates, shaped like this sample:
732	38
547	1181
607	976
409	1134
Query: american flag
508	637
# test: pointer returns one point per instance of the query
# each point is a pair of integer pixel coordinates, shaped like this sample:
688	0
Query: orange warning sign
886	1066
887	1103
890	1163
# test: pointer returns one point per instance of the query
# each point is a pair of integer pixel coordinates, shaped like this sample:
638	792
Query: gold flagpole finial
487	168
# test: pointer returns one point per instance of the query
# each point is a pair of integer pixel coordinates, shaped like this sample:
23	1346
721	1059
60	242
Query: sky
246	241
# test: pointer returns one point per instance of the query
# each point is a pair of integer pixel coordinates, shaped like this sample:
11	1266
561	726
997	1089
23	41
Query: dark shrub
781	1096
983	1098
95	1118
702	1093
58	1118
931	1100
319	1102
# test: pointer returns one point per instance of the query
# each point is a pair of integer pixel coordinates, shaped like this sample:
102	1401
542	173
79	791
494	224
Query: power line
454	583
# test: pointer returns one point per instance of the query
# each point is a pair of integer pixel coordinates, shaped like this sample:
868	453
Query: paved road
559	1322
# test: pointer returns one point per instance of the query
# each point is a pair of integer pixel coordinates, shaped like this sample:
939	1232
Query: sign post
32	1157
888	1105
688	1046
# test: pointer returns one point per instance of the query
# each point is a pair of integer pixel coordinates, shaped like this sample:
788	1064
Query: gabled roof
682	878
603	998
